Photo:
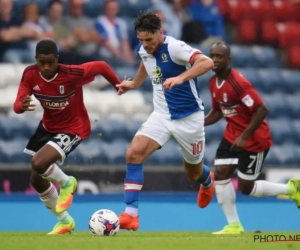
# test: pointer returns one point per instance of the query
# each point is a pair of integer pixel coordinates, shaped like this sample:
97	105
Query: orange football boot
129	222
205	195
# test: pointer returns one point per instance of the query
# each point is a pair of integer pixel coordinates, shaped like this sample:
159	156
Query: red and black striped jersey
62	96
237	99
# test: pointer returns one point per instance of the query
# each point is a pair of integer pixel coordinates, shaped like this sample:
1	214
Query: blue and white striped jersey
172	59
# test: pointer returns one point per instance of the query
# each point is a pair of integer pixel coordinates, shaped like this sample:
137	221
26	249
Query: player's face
151	42
47	65
220	57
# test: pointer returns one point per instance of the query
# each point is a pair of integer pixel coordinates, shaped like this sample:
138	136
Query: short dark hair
226	45
52	2
147	21
46	47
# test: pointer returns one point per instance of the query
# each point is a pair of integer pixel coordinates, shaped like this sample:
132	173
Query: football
104	222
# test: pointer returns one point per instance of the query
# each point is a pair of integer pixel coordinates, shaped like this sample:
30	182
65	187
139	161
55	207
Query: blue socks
133	184
205	179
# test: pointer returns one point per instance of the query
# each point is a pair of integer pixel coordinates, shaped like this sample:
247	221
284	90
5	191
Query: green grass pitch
140	241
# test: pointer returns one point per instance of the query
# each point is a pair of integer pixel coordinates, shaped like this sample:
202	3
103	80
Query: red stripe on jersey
72	71
235	85
193	55
31	67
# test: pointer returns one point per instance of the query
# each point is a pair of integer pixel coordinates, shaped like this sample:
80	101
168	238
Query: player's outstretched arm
92	69
135	83
213	116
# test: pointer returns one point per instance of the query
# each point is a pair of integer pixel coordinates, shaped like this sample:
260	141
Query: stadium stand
257	54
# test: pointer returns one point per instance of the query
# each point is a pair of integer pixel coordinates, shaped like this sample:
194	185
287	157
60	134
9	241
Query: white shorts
188	132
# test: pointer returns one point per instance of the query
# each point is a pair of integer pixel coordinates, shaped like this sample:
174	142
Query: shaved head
222	45
220	54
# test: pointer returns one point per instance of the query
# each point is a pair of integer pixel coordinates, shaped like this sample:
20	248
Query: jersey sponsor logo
61	89
55	105
157	71
164	57
156	81
229	112
248	101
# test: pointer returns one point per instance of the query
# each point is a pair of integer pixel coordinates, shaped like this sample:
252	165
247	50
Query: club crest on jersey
61	89
225	98
164	57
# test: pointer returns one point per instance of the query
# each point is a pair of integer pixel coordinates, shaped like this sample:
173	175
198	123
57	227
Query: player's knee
223	172
38	164
133	155
219	177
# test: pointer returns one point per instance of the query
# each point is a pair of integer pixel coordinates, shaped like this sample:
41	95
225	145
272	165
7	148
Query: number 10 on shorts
197	147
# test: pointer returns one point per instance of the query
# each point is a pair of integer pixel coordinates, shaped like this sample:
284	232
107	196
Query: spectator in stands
180	10
172	24
13	48
64	36
33	22
114	35
85	34
207	13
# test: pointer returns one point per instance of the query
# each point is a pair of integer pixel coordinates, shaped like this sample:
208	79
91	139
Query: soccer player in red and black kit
64	125
246	140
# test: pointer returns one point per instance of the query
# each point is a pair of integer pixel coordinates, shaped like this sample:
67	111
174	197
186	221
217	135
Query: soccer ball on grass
104	222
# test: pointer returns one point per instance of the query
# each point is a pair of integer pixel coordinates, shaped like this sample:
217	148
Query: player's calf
38	182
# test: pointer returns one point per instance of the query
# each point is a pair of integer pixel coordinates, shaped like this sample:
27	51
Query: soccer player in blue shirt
173	68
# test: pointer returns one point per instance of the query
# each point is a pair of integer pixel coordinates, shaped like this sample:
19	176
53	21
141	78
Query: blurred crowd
107	37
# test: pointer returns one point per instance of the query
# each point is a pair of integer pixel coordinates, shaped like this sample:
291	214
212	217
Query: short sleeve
181	53
246	93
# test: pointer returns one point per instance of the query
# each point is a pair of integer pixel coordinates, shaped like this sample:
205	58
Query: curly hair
147	21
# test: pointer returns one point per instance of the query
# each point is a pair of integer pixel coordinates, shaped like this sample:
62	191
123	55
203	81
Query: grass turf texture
140	241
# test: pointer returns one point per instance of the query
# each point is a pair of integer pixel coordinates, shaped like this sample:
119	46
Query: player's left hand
239	144
171	82
124	86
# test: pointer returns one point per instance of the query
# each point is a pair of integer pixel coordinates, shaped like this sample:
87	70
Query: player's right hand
124	86
26	105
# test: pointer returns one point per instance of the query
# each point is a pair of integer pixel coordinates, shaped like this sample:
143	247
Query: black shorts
249	164
64	143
